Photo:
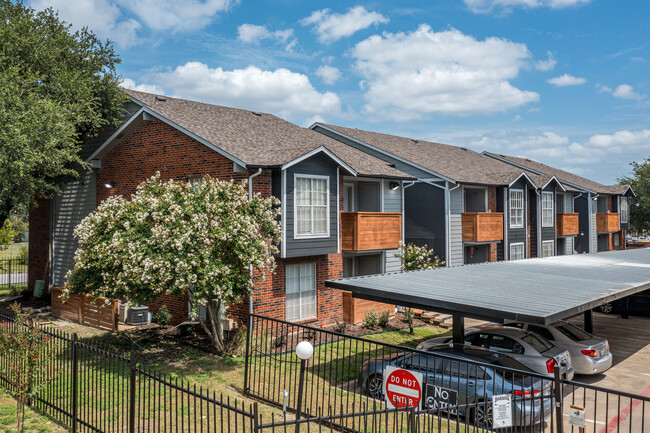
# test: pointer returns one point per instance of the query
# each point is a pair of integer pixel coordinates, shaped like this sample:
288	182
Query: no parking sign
402	388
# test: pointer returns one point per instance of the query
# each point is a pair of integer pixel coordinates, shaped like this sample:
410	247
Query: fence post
412	419
132	393
559	399
246	361
10	273
256	426
75	374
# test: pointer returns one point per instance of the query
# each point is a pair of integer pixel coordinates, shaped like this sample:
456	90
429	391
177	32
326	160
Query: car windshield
573	332
540	344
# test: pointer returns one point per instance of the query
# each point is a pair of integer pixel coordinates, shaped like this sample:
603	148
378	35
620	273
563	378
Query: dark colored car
639	305
464	383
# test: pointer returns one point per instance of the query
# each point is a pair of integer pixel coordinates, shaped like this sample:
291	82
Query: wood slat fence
100	313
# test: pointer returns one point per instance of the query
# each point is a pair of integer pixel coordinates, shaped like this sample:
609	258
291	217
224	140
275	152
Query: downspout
250	267
539	223
448	220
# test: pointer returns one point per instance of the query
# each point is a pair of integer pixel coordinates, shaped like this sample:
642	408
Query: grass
331	378
34	421
9	252
12	290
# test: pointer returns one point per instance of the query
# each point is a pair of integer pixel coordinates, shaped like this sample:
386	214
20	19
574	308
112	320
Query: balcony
367	231
607	222
567	224
482	226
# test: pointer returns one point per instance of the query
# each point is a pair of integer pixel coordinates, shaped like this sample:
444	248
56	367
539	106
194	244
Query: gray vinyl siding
392	263
593	228
76	201
517	235
91	144
401	166
548	233
424	217
456	227
392	199
581	207
568	245
316	165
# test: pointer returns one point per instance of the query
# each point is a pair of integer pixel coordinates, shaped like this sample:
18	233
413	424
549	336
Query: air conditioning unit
228	325
137	315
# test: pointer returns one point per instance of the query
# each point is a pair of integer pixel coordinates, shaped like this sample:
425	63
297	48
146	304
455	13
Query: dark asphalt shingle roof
453	162
562	175
257	139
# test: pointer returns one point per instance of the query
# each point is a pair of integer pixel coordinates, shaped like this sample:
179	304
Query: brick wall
38	267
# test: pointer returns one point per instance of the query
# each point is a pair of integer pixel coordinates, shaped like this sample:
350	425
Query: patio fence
334	393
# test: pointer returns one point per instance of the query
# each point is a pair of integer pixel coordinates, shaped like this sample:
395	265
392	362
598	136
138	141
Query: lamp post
304	351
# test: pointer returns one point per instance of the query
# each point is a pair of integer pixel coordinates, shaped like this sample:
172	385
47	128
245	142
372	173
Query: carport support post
458	329
589	321
626	308
559	399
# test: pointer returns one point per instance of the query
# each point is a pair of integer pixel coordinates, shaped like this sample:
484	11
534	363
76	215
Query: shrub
23	256
163	316
414	257
383	318
371	319
409	315
237	343
341	327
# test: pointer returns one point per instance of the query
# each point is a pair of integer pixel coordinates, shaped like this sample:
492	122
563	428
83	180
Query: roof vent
256	113
391	165
464	149
415	141
160	98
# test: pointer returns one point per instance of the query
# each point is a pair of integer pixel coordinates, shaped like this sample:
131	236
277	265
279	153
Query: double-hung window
311	206
516	208
547	209
517	251
548	248
624	210
301	291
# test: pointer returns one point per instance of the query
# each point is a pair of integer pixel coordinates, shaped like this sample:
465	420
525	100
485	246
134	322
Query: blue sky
564	82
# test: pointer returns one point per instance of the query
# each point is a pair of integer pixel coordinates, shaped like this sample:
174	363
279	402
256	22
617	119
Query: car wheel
375	387
606	308
481	415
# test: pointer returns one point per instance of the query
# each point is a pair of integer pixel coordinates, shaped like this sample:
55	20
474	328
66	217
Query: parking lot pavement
629	342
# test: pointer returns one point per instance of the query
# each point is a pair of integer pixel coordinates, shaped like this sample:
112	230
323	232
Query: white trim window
548	248
516	208
517	251
301	291
311	206
547	209
624	210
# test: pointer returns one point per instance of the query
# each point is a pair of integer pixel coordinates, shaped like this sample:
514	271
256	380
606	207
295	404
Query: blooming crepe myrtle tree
195	239
414	258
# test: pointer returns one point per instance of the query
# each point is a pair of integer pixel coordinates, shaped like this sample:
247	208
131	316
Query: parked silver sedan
527	347
589	354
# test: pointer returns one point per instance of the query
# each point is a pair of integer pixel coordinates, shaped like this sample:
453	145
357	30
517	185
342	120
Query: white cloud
621	141
567	80
282	92
176	15
128	83
254	34
546	65
105	19
331	27
407	75
329	74
485	6
625	91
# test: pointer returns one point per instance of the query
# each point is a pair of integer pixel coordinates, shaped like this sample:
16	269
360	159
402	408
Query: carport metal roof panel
534	290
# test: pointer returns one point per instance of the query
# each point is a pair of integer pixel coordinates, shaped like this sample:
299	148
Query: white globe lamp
304	350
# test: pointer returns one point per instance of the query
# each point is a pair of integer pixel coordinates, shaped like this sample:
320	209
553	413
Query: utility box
137	315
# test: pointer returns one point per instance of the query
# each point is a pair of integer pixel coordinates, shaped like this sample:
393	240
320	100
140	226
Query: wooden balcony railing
567	224
365	231
607	222
482	226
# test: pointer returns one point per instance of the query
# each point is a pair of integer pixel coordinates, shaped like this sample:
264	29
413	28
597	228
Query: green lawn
34	421
11	251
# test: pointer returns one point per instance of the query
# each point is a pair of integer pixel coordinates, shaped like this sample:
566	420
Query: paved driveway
629	341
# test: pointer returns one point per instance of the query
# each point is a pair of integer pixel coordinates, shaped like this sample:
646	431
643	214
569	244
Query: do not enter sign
402	388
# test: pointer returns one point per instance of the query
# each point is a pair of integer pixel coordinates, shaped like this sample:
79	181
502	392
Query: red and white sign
402	388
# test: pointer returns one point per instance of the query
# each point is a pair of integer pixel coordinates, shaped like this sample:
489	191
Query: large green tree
639	180
57	87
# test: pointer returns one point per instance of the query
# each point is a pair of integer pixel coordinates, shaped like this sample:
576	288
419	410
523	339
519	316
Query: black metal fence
13	275
91	388
343	387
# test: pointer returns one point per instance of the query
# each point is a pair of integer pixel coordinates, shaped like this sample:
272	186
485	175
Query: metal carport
541	290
